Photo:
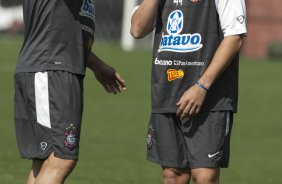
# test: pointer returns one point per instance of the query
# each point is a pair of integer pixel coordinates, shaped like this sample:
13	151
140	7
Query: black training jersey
58	35
187	35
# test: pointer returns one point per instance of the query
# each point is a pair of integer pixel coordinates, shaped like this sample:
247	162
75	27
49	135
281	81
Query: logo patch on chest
175	41
173	74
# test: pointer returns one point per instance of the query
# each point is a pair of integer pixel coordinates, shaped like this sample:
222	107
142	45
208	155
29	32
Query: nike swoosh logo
212	155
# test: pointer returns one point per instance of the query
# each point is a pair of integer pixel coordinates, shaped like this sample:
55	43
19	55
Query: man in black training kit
194	84
49	84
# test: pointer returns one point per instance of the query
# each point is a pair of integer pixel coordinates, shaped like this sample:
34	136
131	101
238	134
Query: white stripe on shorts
227	123
42	99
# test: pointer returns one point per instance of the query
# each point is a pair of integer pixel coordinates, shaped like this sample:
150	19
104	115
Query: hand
109	78
105	74
191	102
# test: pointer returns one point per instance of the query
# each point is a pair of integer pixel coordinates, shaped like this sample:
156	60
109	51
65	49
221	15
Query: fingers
191	102
180	101
114	87
192	111
197	110
120	81
181	108
188	109
107	88
110	88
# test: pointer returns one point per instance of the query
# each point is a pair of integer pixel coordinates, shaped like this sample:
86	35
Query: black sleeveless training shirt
186	39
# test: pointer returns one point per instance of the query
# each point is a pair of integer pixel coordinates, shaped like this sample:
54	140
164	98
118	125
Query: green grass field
113	142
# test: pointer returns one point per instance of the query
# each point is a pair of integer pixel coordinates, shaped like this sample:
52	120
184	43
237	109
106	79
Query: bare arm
192	100
142	21
105	74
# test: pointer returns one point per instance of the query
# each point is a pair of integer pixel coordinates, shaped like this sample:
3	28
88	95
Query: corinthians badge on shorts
71	137
150	136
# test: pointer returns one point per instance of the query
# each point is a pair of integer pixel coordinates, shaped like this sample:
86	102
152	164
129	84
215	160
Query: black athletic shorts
48	111
201	141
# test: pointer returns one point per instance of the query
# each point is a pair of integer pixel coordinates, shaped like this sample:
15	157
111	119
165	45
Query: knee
173	175
204	178
169	174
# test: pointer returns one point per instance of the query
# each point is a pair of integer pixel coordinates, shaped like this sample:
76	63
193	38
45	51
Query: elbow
137	32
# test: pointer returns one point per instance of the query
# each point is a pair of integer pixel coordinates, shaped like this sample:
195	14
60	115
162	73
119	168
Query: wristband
202	86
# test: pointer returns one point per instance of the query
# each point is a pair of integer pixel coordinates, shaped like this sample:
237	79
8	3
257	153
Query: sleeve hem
235	32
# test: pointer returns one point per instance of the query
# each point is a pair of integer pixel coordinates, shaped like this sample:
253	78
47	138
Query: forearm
93	62
142	21
228	48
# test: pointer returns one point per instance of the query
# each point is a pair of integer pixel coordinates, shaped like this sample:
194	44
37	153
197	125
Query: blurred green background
113	142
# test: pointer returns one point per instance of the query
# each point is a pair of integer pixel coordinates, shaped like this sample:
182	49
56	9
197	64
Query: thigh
207	136
165	142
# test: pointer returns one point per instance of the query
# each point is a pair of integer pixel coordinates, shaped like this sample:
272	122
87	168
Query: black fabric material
199	142
58	35
198	18
66	107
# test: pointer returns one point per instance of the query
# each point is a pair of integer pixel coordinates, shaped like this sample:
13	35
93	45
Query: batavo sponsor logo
176	42
173	74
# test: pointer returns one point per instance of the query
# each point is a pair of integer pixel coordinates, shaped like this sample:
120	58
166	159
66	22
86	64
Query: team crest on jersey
71	139
87	9
175	41
173	74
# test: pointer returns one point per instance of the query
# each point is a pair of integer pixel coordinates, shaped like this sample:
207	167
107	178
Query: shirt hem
27	70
